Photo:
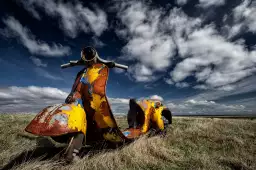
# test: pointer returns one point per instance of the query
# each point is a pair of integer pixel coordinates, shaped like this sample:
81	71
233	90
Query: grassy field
191	143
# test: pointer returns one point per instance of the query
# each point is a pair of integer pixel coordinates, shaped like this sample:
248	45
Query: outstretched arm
69	98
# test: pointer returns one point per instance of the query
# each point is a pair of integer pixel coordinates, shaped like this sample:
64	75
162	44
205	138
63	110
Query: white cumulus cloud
210	3
141	73
245	14
44	73
29	99
29	41
207	55
245	86
204	49
146	44
205	107
119	100
33	99
181	2
168	81
97	42
182	85
38	62
73	17
241	20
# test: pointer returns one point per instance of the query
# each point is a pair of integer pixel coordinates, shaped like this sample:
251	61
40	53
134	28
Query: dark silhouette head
89	55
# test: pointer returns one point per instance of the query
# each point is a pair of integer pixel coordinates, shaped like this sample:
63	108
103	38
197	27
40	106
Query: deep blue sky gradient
17	69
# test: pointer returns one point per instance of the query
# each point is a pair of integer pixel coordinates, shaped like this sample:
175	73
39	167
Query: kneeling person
148	114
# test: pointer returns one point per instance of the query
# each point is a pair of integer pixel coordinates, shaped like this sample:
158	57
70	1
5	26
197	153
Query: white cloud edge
14	99
178	22
74	18
28	40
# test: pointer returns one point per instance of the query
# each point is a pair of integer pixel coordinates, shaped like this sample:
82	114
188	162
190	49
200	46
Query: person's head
89	55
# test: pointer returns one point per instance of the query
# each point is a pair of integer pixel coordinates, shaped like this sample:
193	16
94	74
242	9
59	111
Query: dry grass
191	143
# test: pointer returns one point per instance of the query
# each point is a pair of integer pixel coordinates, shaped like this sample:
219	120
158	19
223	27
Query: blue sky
199	57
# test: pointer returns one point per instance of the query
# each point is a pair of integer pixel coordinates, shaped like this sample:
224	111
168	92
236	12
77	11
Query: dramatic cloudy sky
199	56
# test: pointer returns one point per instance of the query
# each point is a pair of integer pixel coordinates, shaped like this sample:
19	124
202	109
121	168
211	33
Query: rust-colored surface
51	121
89	92
99	85
152	110
92	88
42	125
94	93
132	133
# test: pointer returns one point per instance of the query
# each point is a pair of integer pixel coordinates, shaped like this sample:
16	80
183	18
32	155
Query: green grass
191	143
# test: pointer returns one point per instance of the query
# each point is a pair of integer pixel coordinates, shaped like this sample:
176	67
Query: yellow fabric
76	118
151	113
157	118
103	121
147	120
92	74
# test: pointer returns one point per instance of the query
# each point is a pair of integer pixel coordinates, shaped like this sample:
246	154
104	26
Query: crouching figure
147	115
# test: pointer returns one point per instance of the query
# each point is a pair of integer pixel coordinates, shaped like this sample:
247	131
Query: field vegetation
190	143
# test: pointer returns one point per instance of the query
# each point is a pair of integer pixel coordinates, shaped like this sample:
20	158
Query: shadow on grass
46	150
235	165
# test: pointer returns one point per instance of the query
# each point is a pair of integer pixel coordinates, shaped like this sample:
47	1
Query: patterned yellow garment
103	120
152	113
89	99
96	77
77	118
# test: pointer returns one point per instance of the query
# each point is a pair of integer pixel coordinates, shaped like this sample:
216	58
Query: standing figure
86	91
86	116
